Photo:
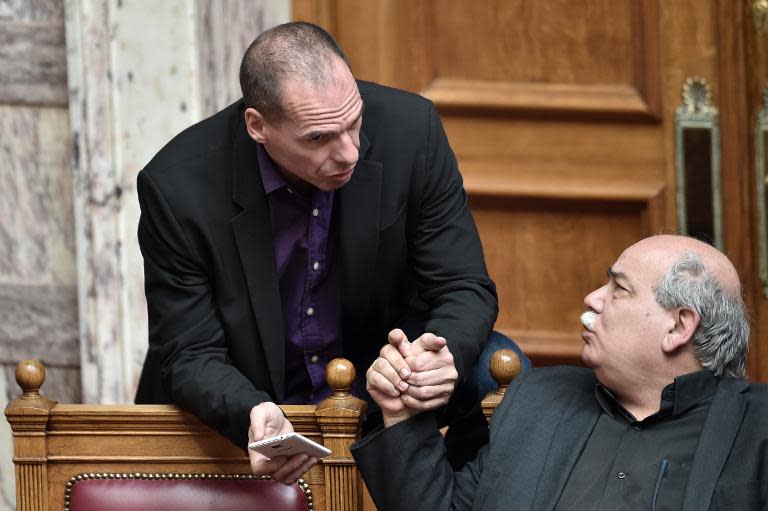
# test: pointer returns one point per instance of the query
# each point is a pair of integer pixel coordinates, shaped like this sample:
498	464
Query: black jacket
537	436
409	250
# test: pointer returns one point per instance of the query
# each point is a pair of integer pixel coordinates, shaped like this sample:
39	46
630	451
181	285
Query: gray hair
297	48
721	340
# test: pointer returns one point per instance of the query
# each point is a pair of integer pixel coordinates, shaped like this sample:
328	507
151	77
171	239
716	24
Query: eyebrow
617	275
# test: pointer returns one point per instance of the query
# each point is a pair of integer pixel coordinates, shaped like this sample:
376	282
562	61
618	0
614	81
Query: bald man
662	419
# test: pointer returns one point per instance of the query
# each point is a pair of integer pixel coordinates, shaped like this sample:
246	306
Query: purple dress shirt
306	241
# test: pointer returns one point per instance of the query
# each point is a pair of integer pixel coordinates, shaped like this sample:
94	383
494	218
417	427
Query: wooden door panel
554	119
543	254
562	117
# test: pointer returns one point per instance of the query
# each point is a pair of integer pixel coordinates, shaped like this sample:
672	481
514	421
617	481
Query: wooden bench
56	443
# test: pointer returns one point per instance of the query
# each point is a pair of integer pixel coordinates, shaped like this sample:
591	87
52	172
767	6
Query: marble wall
38	296
90	90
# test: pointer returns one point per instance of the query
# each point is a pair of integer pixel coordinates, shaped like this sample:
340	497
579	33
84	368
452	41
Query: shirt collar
678	397
271	177
691	389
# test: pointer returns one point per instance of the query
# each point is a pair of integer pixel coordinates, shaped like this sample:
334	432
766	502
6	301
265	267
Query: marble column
139	72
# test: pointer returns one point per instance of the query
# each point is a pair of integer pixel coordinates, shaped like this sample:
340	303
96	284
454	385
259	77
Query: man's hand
267	420
409	378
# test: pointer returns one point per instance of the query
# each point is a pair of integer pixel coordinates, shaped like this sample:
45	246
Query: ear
255	124
685	323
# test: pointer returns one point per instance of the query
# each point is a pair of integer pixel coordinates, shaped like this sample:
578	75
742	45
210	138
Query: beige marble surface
132	88
38	306
34	29
90	90
225	29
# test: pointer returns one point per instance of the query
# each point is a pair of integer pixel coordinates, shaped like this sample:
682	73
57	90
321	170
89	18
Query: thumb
431	342
398	339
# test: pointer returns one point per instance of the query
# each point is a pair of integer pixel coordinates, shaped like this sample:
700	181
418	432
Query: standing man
662	420
314	218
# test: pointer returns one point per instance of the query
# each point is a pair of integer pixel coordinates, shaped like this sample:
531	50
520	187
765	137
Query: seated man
662	419
302	223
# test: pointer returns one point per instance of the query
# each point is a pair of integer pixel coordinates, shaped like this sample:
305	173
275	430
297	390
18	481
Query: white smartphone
287	445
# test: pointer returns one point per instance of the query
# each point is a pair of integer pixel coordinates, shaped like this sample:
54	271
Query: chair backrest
183	492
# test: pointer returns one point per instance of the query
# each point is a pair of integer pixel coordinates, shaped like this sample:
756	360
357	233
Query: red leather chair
188	492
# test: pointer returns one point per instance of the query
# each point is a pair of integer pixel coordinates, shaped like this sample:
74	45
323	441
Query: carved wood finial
339	374
505	365
30	375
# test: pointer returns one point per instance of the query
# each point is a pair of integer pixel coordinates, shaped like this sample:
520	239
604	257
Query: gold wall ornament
761	165
697	164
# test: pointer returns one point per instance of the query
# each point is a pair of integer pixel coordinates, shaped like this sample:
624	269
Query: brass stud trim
303	485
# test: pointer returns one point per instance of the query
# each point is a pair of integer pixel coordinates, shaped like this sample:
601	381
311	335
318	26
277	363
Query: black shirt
630	464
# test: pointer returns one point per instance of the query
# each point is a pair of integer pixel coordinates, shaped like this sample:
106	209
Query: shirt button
315	266
637	428
315	212
310	311
314	359
621	475
290	190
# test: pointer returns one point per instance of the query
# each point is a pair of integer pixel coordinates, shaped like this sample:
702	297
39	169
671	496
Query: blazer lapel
720	428
359	202
569	439
253	235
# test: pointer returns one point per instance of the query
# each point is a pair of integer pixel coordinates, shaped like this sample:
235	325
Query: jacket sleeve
446	254
187	344
404	466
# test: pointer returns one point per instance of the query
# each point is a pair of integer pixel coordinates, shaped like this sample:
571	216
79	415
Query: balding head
667	249
696	276
297	50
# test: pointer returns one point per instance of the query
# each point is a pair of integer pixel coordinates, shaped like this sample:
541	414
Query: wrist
391	420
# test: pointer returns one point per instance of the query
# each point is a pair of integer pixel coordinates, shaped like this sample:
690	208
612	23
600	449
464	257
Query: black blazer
537	436
409	249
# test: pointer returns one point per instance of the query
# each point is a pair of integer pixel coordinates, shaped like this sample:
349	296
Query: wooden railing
52	442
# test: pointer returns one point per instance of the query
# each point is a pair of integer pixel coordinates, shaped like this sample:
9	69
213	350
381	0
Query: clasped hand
411	377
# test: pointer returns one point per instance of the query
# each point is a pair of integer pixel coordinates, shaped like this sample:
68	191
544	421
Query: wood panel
561	115
554	119
54	442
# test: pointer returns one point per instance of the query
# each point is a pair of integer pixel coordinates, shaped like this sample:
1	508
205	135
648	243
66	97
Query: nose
347	148
596	299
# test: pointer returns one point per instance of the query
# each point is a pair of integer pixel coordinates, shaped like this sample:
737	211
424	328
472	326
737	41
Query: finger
385	369
261	465
432	404
296	474
399	340
287	469
396	360
430	360
439	376
389	405
431	342
430	392
377	380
